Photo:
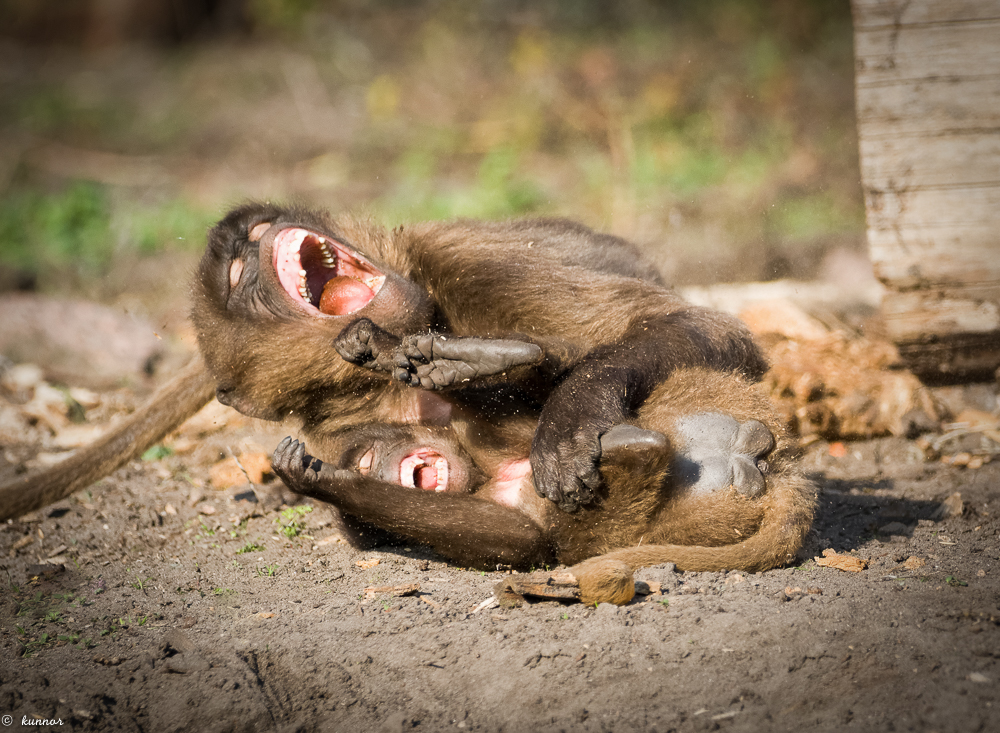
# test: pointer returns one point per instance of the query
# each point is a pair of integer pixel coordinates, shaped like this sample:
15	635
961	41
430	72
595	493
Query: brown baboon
589	332
695	478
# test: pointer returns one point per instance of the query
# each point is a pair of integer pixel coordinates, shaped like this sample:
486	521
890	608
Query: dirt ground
156	602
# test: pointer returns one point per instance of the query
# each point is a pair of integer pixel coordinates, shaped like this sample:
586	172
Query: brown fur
645	517
610	328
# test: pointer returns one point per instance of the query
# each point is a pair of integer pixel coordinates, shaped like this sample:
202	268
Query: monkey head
276	286
415	456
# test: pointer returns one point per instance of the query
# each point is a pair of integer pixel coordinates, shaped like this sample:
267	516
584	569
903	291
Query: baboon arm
430	360
612	381
435	361
172	404
462	527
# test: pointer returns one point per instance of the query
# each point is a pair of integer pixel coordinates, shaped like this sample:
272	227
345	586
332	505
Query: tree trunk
928	106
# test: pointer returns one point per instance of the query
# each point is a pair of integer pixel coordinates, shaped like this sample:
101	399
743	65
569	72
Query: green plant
290	522
157	452
239	530
31	647
205	530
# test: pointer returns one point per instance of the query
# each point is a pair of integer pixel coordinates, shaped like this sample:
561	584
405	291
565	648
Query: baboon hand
565	457
294	466
430	360
365	344
433	361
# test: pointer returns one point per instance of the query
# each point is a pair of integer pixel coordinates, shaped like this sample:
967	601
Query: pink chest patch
511	481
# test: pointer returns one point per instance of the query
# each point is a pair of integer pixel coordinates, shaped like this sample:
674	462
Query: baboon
277	287
696	477
590	331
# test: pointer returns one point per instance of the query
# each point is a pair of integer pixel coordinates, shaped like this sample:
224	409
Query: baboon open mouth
424	469
321	274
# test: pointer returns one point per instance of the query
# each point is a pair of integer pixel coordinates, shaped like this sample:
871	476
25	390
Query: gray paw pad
717	452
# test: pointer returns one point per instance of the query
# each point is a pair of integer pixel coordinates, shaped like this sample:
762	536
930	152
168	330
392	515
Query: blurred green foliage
716	131
74	231
496	191
72	226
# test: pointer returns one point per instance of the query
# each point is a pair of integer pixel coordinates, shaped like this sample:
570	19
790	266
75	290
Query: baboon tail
786	522
172	404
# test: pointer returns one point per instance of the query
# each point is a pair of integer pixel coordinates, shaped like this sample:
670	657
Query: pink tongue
343	295
426	477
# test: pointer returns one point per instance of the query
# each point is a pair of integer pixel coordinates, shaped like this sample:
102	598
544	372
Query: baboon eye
258	231
365	463
235	273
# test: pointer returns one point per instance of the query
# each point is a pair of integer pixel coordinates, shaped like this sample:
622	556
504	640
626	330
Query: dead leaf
950	507
913	562
75	436
406	589
849	563
550	585
265	614
842	386
959	459
367	564
227	474
838	450
975	420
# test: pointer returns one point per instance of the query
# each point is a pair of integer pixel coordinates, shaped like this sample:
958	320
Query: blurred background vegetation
719	134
